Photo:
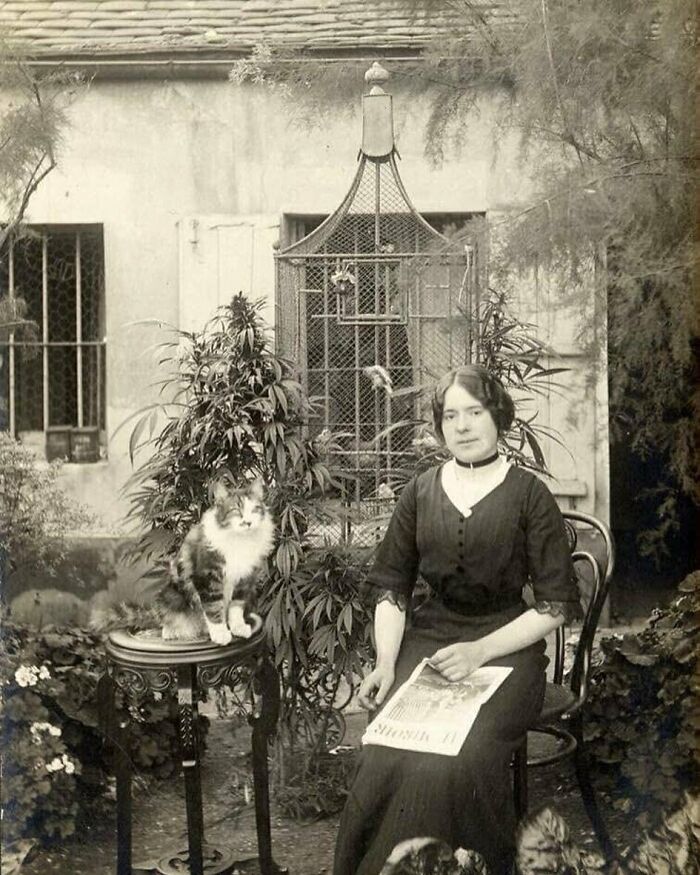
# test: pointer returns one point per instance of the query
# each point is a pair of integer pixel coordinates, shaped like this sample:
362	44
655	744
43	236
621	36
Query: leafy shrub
35	514
316	783
54	765
545	846
320	626
644	725
49	728
238	406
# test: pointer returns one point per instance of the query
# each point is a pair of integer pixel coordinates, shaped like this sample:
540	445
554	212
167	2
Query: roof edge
209	64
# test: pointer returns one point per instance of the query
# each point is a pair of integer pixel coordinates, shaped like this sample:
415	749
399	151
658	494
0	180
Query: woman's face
467	426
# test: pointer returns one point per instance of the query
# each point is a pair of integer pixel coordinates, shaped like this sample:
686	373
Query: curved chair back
601	566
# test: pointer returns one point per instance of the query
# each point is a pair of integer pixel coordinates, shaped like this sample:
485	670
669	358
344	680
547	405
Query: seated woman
477	529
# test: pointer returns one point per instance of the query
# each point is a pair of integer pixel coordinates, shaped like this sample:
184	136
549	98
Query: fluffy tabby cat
212	583
211	587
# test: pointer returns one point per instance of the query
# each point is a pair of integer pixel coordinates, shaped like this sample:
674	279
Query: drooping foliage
32	120
602	95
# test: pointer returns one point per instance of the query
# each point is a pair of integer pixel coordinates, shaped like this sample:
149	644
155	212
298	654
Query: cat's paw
220	634
241	629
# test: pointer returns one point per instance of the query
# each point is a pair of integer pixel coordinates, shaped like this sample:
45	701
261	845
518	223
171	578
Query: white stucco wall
190	180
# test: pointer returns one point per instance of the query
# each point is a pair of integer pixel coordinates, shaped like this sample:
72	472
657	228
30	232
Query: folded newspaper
428	713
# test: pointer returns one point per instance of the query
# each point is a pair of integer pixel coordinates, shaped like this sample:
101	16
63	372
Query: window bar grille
79	331
45	328
11	343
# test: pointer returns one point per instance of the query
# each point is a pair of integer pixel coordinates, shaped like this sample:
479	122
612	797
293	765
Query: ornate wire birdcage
373	304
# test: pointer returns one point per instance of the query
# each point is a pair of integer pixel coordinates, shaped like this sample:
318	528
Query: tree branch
572	139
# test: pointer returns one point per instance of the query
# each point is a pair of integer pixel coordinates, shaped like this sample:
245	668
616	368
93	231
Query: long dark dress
476	567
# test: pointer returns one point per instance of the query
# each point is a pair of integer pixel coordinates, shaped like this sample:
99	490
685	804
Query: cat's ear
257	488
218	490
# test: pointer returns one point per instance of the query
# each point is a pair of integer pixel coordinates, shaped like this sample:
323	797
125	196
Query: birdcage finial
375	77
377	116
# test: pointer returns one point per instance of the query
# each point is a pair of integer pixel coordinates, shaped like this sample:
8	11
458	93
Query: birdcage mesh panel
385	327
374	218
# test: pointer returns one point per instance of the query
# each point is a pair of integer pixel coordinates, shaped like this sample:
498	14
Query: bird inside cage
380	377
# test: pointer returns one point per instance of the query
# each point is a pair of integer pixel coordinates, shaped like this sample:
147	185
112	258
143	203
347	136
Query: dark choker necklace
479	464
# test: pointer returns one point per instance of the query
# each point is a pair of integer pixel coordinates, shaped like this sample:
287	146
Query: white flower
44	673
37	728
55	765
68	764
385	492
26	675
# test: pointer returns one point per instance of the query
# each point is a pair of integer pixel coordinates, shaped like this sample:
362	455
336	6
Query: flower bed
54	766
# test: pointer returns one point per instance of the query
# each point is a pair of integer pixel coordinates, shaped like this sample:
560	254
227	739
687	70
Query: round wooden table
141	664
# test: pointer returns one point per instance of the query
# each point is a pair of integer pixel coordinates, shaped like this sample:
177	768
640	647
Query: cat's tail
129	616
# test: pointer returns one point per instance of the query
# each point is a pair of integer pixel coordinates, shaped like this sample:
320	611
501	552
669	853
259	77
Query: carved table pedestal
139	665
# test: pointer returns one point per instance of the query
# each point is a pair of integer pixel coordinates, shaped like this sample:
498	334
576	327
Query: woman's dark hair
486	388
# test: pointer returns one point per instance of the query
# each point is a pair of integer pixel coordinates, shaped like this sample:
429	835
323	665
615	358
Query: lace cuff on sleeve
568	610
389	595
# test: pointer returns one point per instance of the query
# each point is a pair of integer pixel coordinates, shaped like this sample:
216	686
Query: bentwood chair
559	728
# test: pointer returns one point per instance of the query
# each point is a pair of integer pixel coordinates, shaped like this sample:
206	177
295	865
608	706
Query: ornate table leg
187	706
263	720
116	736
122	768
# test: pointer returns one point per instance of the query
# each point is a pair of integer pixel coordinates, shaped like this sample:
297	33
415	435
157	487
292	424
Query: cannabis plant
236	405
233	405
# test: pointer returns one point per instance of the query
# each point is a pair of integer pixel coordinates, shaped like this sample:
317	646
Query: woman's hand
375	686
458	661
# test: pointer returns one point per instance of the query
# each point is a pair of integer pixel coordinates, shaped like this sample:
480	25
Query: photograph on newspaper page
430	714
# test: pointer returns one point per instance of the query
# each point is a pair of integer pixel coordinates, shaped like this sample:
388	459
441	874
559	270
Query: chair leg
520	780
588	792
187	706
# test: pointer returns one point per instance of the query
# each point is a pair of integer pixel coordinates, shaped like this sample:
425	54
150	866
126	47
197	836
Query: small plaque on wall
85	444
58	443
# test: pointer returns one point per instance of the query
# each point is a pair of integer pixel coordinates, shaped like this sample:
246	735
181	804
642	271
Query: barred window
52	378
